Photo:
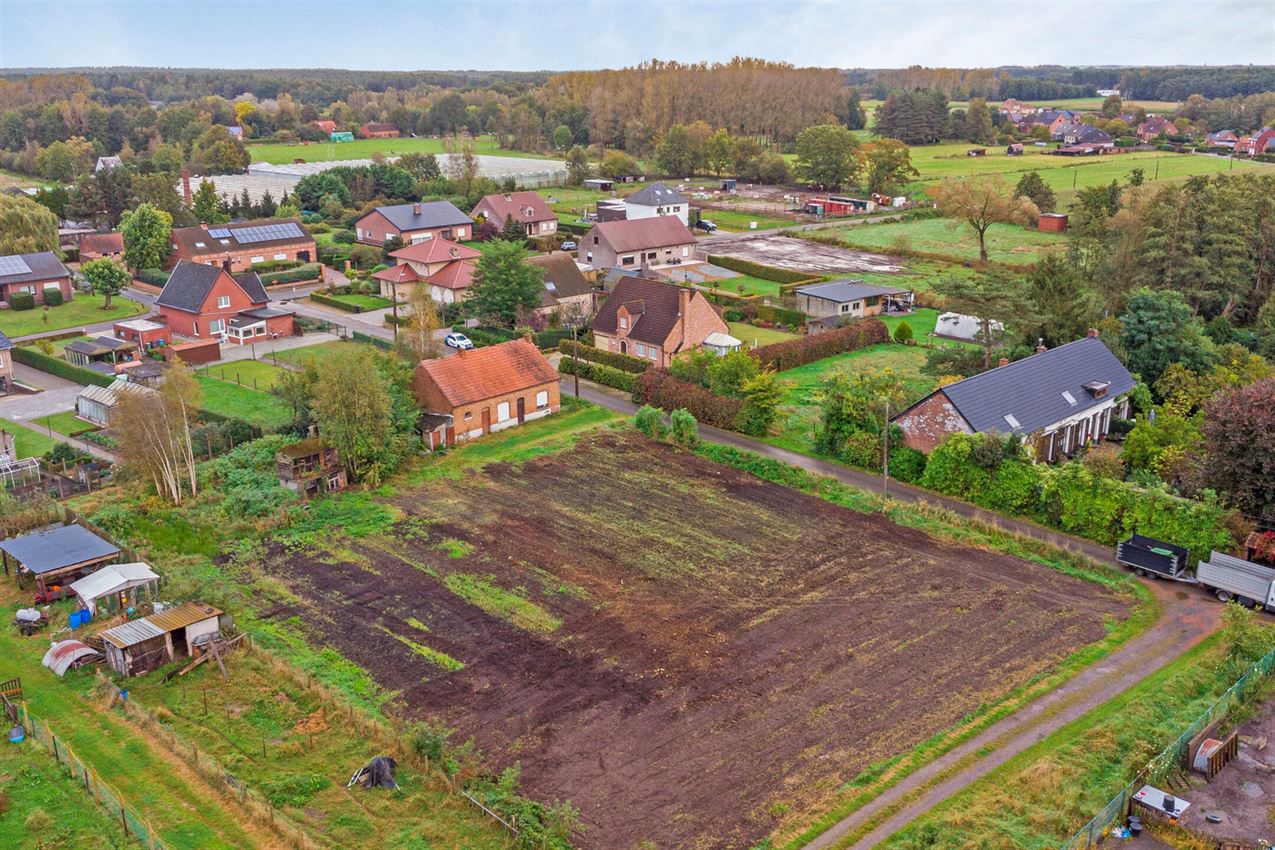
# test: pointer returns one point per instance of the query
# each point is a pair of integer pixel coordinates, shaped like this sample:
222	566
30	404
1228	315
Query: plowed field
682	650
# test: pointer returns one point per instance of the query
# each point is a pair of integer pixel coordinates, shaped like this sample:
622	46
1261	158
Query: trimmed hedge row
782	315
336	304
21	301
798	352
622	362
764	272
599	374
57	366
658	388
155	277
310	271
383	344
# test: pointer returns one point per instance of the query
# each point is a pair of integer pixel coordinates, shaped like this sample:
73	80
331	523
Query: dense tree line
916	117
1180	83
1240	113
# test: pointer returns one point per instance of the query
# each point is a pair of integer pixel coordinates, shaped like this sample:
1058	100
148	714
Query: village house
1085	134
94	246
106	162
326	126
1221	139
484	390
33	274
529	209
1154	127
443	266
658	321
567	293
6	365
1263	141
310	467
644	243
656	200
378	130
414	223
208	302
240	246
1056	401
851	299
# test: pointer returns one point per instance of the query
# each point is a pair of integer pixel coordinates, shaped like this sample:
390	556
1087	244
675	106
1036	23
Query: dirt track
726	644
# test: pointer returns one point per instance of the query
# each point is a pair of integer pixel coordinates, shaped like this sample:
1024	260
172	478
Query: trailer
1153	558
1230	578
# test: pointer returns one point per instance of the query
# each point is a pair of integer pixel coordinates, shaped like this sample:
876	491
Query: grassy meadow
285	152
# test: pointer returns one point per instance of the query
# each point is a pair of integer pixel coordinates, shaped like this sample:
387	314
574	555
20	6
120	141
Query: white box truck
1230	578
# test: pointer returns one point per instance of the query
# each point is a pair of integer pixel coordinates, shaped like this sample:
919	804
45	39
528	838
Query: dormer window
1097	389
624	321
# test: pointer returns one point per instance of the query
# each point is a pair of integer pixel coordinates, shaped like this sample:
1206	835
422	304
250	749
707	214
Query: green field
255	374
28	443
253	406
45	807
322	351
753	336
751	285
83	309
286	152
732	220
65	423
1006	243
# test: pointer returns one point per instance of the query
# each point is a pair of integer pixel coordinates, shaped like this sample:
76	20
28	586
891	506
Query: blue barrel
74	620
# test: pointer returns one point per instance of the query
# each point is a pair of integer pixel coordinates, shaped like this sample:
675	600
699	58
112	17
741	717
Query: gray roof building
840	291
423	216
58	548
189	284
656	195
31	268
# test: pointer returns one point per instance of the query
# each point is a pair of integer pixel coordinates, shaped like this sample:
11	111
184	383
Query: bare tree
154	431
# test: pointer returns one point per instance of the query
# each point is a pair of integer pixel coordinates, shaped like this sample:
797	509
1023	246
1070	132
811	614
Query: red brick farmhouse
206	302
240	246
32	274
527	208
484	390
1056	401
658	321
414	223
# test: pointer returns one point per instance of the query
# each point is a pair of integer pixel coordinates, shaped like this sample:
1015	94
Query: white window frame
655	352
223	302
281	256
258	259
502	411
641	350
216	326
624	322
542	399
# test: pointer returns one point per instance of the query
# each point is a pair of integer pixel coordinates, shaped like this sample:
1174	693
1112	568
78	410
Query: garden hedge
764	272
335	303
57	366
798	352
658	388
383	344
155	277
615	360
301	274
550	339
53	297
21	301
599	374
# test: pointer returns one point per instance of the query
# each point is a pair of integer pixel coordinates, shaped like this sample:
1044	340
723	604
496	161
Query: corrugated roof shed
57	548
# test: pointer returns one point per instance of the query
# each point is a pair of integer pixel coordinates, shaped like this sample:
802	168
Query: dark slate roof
656	195
5	342
563	278
432	214
1088	134
42	266
46	551
655	305
189	284
841	291
1031	390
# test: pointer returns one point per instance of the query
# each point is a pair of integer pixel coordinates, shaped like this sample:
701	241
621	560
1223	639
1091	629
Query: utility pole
575	358
1157	168
885	453
394	308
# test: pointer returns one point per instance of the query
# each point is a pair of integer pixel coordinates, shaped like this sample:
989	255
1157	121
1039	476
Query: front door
522	409
486	420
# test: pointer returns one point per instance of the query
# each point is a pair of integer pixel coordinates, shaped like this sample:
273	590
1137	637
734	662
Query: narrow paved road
1187	617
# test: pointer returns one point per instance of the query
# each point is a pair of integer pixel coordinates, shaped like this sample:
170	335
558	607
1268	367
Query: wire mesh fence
1172	756
133	823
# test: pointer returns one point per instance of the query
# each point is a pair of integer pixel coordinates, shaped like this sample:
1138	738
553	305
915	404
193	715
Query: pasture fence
1171	757
134	824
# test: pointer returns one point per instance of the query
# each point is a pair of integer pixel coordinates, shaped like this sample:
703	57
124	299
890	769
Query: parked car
705	225
458	341
569	245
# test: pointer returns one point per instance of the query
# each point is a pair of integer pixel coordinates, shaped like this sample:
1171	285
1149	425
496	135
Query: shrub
906	464
798	352
683	428
155	277
299	274
21	301
650	422
615	360
764	272
345	237
29	356
903	333
53	297
335	303
599	373
656	387
552	338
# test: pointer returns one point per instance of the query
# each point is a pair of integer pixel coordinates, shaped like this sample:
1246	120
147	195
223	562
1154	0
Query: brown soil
726	644
802	255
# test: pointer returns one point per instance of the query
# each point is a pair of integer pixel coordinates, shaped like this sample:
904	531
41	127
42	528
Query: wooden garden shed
143	645
57	555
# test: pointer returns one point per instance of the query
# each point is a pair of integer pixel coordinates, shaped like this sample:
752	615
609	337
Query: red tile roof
102	243
484	373
325	126
458	275
402	273
523	206
435	251
659	231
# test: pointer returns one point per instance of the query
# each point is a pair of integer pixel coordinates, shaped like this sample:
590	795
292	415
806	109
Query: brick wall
196	326
925	425
241	260
37	287
468	418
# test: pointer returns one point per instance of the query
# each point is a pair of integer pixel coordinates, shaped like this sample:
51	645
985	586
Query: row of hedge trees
792	353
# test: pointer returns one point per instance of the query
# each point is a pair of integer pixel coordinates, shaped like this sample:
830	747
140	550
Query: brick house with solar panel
240	246
207	302
33	273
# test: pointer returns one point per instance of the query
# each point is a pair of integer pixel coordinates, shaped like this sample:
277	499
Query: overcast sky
516	35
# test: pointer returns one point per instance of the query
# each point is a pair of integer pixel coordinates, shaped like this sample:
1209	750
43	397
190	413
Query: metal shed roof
156	625
58	548
841	291
132	633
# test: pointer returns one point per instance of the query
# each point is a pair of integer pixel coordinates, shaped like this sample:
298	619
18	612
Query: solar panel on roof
267	233
219	233
13	265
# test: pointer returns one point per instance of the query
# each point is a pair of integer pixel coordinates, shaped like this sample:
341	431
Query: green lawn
66	423
28	443
734	220
81	310
286	152
33	783
753	336
752	285
322	351
364	302
1006	243
253	406
256	374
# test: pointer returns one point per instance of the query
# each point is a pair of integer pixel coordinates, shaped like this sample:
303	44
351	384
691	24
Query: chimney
1040	346
683	311
204	225
416	209
1093	332
453	252
509	197
186	185
1004	361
